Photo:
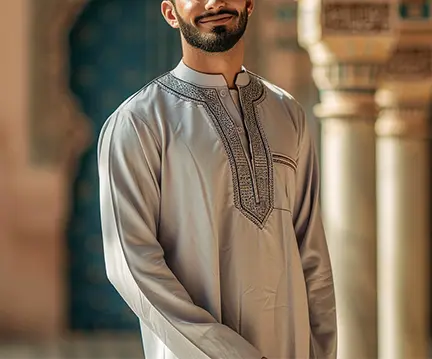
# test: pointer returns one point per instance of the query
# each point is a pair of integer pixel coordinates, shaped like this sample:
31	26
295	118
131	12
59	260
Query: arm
129	172
313	249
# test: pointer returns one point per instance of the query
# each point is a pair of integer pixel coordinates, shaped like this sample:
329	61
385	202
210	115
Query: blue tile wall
116	46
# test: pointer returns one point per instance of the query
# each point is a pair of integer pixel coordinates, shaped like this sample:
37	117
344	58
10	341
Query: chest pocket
285	169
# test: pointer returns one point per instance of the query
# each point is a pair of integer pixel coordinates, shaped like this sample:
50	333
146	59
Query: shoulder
277	93
137	113
143	101
280	98
133	121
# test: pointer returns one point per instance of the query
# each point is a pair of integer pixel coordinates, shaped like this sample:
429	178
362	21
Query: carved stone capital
407	122
356	17
346	105
410	63
348	31
405	91
348	41
346	76
407	76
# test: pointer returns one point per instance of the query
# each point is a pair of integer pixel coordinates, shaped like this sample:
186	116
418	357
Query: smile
216	20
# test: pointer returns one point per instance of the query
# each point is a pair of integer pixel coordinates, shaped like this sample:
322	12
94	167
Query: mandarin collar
185	73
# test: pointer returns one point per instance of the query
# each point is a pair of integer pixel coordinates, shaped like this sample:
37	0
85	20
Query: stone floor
93	347
100	347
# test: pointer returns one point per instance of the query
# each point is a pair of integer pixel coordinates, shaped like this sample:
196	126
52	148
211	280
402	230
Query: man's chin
221	29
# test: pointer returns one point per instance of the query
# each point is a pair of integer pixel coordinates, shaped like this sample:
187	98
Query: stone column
348	43
403	163
273	52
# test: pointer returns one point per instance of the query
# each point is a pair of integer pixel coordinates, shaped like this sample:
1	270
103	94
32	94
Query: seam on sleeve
155	181
132	115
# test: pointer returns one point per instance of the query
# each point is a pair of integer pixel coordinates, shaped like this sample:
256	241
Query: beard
220	39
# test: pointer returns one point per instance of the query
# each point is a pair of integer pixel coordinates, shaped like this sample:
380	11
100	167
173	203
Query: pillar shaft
348	204
403	234
349	42
349	213
403	180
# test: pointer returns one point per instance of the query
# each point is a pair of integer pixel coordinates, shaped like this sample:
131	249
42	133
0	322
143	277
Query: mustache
221	12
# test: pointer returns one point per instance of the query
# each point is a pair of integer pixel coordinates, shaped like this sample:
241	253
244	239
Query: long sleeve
313	249
129	170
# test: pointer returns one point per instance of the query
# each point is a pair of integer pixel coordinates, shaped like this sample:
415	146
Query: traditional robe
211	222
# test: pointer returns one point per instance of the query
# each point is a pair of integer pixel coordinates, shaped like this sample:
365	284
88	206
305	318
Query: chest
249	149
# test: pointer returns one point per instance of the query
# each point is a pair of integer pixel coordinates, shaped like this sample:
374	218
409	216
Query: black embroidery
254	201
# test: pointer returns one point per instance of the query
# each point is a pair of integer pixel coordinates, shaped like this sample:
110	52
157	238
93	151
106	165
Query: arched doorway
116	47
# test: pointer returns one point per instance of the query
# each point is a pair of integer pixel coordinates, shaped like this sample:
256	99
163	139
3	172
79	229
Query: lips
216	18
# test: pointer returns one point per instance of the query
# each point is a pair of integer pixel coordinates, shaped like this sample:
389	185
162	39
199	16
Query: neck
227	63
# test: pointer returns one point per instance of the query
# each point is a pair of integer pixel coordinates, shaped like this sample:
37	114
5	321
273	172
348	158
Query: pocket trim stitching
284	160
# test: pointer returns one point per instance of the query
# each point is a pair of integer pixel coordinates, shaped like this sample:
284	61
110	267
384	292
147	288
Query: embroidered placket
252	178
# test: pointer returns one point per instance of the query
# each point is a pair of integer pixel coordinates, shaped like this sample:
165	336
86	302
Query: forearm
322	306
164	306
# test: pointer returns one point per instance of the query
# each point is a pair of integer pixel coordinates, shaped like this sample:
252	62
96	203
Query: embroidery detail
285	160
253	184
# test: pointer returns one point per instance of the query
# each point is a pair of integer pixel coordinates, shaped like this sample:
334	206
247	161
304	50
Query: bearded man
209	188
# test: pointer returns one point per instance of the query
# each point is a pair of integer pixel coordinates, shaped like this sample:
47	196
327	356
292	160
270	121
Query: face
209	25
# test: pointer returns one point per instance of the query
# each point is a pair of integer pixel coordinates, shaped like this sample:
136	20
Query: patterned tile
116	47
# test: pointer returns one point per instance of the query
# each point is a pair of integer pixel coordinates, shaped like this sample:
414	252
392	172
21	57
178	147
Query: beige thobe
211	222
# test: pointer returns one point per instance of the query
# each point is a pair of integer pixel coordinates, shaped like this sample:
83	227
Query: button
223	93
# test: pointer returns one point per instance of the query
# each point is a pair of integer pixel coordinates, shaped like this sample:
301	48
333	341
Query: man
209	200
